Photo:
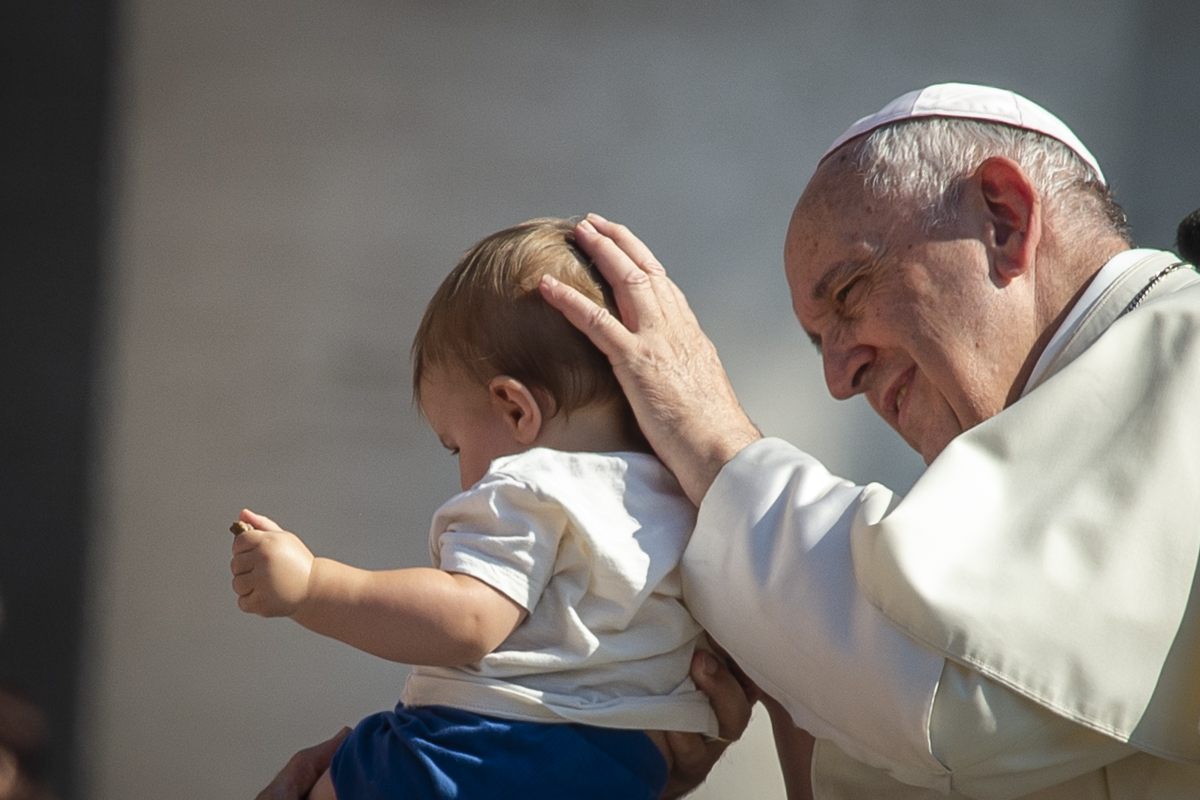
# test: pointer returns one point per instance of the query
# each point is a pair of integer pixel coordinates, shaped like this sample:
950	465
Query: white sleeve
502	532
769	573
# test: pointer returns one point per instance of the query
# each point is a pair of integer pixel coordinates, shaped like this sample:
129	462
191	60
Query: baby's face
470	425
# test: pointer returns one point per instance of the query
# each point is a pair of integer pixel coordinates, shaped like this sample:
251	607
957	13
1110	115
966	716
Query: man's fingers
688	749
629	244
749	687
694	757
632	285
605	330
671	300
729	701
303	770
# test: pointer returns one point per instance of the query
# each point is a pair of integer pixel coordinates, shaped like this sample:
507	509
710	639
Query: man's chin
929	444
934	442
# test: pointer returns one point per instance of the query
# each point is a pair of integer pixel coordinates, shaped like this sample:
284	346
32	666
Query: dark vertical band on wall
1164	184
54	90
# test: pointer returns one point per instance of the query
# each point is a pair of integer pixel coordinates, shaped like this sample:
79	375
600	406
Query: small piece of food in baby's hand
240	527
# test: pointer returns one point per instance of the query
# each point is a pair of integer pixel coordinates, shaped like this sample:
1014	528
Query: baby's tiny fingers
243	585
242	563
259	521
246	603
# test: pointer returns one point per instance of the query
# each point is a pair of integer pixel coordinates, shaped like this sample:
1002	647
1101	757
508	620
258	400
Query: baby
550	634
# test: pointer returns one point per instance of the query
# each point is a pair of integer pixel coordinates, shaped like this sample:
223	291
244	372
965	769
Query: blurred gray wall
294	179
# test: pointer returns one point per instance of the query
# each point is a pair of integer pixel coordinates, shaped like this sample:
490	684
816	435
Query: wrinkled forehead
836	213
837	227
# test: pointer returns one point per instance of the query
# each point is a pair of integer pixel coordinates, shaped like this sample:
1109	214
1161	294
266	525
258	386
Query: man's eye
844	294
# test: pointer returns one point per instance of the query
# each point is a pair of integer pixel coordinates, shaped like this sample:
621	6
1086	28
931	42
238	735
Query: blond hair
488	318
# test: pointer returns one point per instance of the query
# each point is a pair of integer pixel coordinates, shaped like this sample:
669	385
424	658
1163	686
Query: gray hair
924	163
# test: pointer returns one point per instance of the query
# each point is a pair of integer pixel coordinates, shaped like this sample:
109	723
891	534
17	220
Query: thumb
303	770
258	521
728	699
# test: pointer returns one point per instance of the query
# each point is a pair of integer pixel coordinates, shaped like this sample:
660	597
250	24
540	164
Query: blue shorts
438	752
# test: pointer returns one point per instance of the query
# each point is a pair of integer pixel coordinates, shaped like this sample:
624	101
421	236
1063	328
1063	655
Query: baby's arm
417	616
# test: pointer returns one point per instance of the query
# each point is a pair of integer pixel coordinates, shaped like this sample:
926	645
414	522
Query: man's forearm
698	452
794	745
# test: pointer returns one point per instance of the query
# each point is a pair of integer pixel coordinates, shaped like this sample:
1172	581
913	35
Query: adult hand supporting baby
668	368
302	771
694	755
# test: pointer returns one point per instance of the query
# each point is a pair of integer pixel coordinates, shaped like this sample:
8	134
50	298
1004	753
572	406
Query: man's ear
1014	216
518	406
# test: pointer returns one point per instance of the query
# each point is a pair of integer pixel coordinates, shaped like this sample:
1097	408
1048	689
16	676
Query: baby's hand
270	568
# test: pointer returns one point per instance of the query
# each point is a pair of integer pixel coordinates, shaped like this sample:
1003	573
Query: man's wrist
735	443
720	453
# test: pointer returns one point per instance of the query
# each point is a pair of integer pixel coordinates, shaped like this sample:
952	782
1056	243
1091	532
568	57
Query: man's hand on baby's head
270	569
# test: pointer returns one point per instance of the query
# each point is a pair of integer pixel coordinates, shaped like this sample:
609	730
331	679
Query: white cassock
1023	622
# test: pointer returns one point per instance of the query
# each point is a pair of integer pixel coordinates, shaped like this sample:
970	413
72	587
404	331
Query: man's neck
1063	288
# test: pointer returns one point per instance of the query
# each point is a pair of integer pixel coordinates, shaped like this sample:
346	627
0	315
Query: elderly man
1022	623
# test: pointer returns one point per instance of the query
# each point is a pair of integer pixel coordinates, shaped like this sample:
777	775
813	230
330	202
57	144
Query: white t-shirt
589	544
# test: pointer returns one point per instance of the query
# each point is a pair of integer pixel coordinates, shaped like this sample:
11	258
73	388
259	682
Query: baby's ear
518	406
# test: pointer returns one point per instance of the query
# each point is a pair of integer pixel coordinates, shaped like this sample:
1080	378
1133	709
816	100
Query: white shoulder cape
1054	547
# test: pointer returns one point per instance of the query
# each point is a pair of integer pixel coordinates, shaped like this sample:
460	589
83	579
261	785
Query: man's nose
846	367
